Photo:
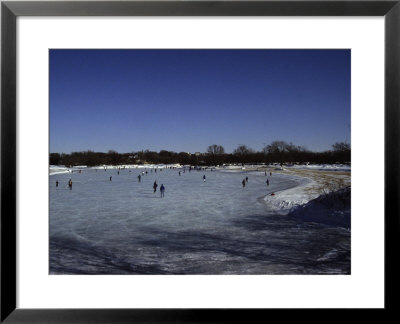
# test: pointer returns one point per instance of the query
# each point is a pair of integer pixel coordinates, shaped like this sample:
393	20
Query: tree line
276	152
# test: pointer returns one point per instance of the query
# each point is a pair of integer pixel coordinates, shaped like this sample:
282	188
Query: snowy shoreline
60	169
305	202
333	209
286	199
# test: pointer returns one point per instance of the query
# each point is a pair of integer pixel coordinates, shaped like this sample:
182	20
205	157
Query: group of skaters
69	184
245	180
162	188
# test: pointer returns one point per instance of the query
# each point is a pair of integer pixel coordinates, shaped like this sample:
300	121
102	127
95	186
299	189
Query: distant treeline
276	152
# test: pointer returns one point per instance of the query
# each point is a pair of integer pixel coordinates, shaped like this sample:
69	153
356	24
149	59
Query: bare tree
282	147
215	149
341	147
242	150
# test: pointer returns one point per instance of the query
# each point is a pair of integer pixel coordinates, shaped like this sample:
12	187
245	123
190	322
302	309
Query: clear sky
186	100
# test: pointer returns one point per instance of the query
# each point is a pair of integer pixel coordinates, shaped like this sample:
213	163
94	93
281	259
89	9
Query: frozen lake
211	227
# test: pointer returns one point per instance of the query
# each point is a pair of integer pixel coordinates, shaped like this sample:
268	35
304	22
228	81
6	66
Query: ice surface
212	227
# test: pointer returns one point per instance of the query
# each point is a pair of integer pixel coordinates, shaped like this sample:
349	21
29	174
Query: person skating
155	185
56	183
267	182
244	183
110	178
247	179
204	178
70	184
139	178
162	189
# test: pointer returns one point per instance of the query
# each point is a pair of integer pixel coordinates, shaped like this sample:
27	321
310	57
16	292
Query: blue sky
186	100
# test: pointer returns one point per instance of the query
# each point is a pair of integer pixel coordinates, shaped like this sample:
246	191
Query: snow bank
136	166
287	199
331	209
306	203
58	169
321	167
232	167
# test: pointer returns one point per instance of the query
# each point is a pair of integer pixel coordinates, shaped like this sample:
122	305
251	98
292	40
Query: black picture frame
10	10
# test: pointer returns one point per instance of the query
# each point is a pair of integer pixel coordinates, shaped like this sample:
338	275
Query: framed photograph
195	161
